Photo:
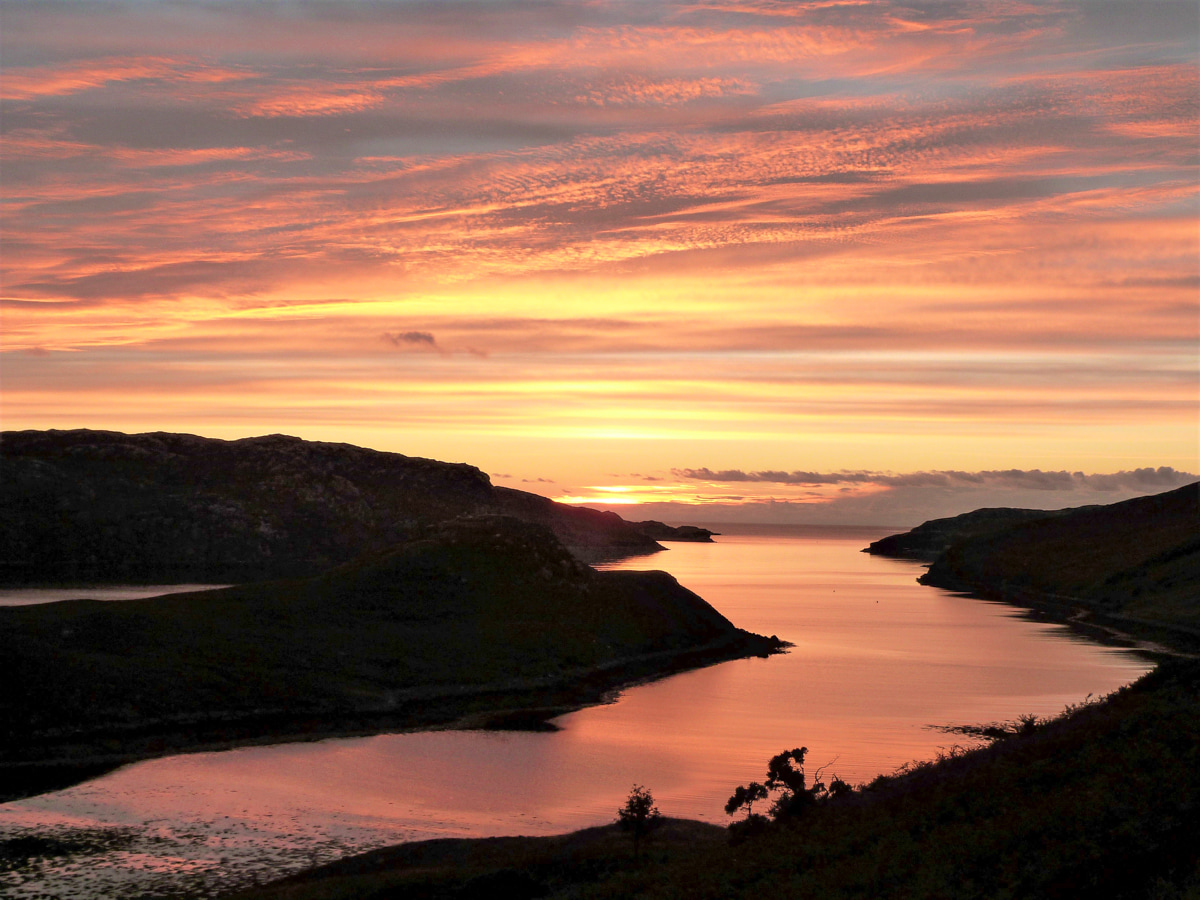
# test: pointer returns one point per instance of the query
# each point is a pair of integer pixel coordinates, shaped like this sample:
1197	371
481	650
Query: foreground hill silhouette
92	507
472	616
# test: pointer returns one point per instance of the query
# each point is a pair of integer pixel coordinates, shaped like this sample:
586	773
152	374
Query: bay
878	662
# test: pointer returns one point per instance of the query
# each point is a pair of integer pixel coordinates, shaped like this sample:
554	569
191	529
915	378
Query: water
35	596
878	660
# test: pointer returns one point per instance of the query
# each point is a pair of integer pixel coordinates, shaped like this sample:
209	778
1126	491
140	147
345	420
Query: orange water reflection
877	660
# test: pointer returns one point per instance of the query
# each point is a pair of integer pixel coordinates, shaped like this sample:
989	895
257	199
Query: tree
639	816
785	775
746	796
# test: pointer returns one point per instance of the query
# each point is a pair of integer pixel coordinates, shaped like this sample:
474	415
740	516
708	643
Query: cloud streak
960	236
1144	479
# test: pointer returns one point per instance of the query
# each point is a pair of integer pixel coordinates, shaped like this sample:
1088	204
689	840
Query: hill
1137	561
473	616
92	507
931	539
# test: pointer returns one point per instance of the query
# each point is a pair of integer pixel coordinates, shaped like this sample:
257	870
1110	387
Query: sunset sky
788	261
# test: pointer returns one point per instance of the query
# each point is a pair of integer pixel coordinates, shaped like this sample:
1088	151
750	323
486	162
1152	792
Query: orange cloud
963	232
31	82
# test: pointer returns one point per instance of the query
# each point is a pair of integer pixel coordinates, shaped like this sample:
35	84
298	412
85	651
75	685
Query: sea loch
879	661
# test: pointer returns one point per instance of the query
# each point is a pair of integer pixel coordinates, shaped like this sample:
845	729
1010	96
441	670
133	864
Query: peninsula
484	620
1132	566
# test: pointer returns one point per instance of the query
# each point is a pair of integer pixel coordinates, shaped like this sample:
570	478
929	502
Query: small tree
639	816
746	796
785	775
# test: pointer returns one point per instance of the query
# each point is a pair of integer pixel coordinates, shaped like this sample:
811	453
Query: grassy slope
484	604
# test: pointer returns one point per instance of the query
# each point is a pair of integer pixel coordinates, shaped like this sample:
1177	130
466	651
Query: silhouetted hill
928	540
101	506
481	612
663	532
590	533
1138	559
1136	562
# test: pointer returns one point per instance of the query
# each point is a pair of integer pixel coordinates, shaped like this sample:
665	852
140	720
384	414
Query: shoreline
600	859
509	706
1155	639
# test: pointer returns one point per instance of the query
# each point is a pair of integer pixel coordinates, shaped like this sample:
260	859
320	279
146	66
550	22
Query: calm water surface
878	660
35	596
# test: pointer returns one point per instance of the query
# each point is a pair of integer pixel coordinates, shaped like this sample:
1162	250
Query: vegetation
793	797
639	816
1130	563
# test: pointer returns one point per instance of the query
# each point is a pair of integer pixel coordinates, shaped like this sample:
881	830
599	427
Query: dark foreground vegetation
482	620
95	507
1104	803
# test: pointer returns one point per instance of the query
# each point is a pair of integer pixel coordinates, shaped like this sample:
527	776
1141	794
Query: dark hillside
1139	558
479	613
99	506
930	539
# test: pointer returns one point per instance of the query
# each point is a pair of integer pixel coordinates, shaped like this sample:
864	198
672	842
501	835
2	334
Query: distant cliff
475	614
1136	561
100	506
662	532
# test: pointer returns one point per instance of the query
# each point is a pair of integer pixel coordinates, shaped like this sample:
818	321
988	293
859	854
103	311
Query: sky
756	261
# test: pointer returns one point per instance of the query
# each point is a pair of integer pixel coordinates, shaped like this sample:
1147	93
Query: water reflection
35	596
877	660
